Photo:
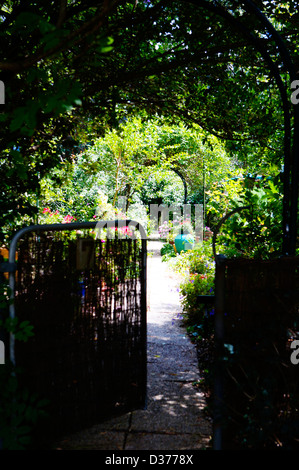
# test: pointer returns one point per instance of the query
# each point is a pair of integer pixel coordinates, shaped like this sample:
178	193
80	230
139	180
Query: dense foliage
95	97
71	69
144	162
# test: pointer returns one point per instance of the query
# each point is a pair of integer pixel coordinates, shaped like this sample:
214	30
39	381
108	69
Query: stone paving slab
93	440
142	441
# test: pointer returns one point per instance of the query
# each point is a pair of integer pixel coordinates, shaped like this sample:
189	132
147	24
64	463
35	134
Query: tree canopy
73	68
145	161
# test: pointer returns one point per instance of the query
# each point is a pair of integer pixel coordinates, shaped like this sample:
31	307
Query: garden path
174	418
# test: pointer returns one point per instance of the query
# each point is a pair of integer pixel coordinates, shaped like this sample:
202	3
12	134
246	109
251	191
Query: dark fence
86	298
257	306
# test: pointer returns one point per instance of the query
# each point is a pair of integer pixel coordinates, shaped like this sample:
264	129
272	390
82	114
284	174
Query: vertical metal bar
219	339
3	334
294	183
2	338
144	316
12	259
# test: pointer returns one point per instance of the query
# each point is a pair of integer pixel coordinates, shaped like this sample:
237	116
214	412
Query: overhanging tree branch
74	38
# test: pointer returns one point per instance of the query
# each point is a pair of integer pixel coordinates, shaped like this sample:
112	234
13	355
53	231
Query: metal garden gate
257	319
85	296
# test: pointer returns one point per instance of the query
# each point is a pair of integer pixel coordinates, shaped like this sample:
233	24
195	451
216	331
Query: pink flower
67	219
46	209
126	231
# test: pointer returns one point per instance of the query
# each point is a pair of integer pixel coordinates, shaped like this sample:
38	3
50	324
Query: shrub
167	252
197	270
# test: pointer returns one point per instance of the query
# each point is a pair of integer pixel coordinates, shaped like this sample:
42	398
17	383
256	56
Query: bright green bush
167	252
255	231
197	270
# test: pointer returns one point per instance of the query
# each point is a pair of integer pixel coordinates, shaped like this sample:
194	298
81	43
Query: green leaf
53	38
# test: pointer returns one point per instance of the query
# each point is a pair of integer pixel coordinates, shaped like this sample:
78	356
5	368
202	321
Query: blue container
184	242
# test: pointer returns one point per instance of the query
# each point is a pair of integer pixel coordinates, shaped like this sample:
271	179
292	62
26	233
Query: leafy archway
291	116
61	82
70	70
